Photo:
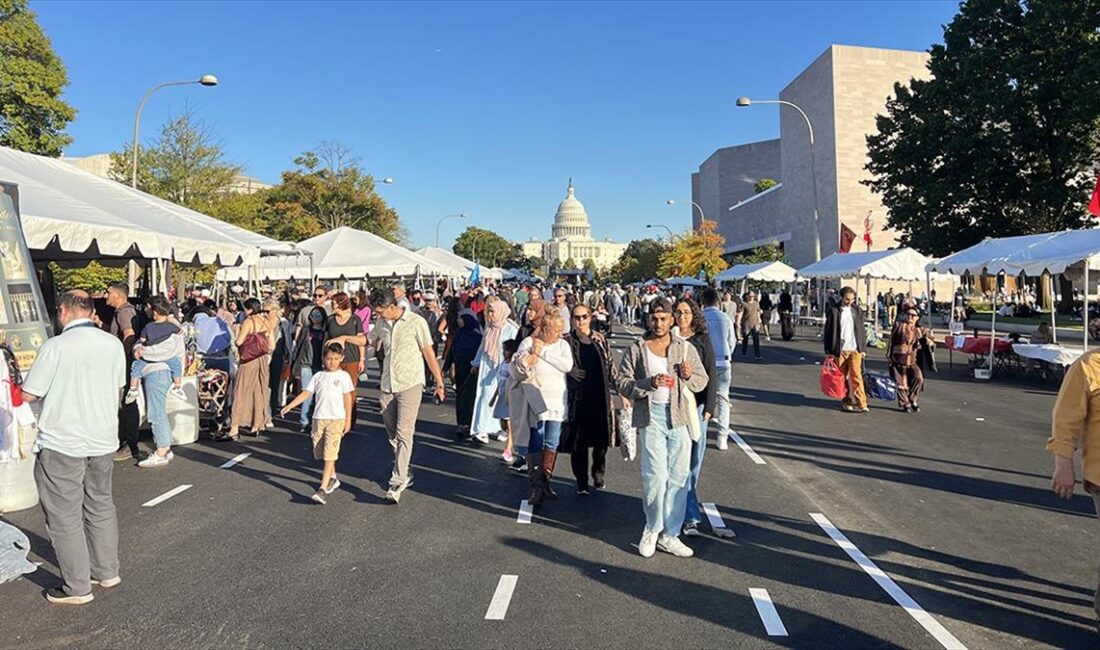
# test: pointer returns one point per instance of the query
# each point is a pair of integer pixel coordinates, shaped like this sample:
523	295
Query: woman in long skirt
251	384
486	365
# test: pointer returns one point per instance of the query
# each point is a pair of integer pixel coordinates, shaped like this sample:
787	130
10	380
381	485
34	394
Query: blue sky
486	108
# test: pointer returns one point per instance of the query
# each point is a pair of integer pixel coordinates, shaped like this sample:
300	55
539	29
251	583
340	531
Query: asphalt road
950	513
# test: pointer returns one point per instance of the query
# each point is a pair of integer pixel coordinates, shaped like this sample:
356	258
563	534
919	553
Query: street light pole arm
137	124
796	107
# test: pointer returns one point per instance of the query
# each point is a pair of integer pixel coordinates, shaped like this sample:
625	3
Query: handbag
628	435
255	346
880	386
832	380
694	430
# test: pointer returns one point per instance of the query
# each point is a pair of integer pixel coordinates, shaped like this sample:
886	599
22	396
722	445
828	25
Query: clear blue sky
486	108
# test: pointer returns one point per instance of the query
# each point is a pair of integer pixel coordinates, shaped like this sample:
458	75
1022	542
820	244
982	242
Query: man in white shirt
723	338
845	338
78	375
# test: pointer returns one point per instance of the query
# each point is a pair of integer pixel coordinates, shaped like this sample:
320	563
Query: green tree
329	190
32	114
764	184
570	264
765	253
185	165
93	278
1002	139
486	247
699	250
590	266
639	261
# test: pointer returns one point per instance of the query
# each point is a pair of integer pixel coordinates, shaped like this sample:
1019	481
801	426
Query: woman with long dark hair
592	390
345	328
253	343
467	341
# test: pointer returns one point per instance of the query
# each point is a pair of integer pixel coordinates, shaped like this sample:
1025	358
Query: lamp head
744	101
208	80
387	181
670	202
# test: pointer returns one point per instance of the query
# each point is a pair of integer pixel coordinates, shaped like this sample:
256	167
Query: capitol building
571	237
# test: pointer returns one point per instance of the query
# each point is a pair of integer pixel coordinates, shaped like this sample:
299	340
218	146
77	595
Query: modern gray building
841	92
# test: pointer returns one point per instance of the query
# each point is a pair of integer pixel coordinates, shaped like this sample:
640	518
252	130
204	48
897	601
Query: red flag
867	237
1094	205
847	236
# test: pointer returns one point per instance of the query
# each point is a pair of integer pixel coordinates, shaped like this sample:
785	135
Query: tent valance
1032	255
460	265
759	272
901	264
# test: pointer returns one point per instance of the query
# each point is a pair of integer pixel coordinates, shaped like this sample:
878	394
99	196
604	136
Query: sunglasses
319	295
581	317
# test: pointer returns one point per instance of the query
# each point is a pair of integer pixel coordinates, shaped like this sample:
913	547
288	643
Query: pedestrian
904	346
125	326
750	324
593	390
724	341
405	341
253	343
333	395
845	338
532	317
562	306
345	328
500	404
542	362
158	366
486	367
766	307
280	351
78	375
308	359
467	343
653	373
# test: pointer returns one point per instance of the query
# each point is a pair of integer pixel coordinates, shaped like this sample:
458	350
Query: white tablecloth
1052	354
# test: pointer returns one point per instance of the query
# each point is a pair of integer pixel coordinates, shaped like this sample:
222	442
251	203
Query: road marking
926	620
773	625
234	460
713	516
746	448
167	495
524	516
501	598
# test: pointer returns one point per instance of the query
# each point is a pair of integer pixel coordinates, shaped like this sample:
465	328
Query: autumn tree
700	250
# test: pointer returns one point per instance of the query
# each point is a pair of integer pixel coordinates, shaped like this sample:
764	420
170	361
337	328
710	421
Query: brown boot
548	460
534	473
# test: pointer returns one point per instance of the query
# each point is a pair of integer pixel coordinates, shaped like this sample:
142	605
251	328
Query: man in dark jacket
846	339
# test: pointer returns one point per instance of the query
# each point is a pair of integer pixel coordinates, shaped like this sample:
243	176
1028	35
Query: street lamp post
205	80
745	101
702	215
460	215
661	225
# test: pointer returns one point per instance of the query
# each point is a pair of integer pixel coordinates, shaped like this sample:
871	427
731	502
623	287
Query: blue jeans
307	406
174	364
156	406
545	437
722	409
666	468
698	448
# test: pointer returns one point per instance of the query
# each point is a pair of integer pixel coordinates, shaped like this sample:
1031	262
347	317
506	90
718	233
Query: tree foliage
764	184
94	278
639	262
486	247
765	253
1003	139
699	250
570	264
33	116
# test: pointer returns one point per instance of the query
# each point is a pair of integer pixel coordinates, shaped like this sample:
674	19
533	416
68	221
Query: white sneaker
648	544
177	392
723	442
674	546
108	583
502	436
131	396
333	485
483	438
155	460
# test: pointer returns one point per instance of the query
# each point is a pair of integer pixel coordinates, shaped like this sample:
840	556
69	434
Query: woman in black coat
592	382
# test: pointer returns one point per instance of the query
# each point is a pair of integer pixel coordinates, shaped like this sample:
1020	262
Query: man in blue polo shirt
79	376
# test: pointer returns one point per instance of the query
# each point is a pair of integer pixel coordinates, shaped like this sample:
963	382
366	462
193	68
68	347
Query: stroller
214	394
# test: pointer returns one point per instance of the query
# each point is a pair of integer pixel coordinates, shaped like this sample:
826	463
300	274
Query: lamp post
460	215
473	244
702	215
745	101
661	225
205	80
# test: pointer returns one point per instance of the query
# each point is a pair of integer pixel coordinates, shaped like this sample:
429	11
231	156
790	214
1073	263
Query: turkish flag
847	236
867	237
1094	204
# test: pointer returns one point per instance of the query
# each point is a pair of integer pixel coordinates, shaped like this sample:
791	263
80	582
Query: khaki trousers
399	413
851	364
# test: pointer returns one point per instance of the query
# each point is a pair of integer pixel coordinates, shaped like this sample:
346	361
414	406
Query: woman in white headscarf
498	329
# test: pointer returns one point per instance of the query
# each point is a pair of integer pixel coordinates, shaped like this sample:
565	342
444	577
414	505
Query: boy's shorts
326	437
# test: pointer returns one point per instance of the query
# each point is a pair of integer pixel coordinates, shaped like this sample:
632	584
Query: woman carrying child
158	364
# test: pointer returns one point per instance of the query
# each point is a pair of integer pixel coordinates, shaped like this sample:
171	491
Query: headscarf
468	337
537	305
491	343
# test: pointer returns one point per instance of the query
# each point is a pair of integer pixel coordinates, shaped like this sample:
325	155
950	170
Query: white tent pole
993	325
1053	324
928	294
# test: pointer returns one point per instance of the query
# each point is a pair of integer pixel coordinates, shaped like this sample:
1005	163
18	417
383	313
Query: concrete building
841	92
100	165
571	238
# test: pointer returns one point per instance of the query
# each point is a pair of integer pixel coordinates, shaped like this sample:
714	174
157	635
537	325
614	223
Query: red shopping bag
832	380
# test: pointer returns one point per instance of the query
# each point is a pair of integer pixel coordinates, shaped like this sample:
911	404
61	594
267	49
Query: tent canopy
901	264
1032	255
686	281
759	272
72	215
460	265
341	253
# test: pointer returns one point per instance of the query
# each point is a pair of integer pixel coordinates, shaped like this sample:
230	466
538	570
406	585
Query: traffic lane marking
926	620
502	597
773	625
167	495
747	449
524	516
715	518
233	461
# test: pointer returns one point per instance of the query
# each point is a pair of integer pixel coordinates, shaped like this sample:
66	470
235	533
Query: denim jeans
307	406
723	407
666	468
156	406
755	334
174	364
545	437
694	513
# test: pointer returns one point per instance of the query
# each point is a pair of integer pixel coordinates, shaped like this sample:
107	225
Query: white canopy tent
343	253
902	264
72	216
760	272
685	282
461	266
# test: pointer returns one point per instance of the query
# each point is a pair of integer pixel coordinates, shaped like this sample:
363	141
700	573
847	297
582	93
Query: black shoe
225	437
58	596
597	482
906	409
304	428
520	464
582	490
916	409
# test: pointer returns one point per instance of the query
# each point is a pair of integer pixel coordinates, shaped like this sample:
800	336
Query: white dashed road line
498	608
926	620
713	516
773	625
747	449
167	495
234	460
524	516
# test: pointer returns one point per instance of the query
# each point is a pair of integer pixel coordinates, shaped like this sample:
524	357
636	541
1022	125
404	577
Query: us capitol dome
571	237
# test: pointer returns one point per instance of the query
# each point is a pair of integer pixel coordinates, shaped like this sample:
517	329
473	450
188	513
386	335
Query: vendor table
1053	354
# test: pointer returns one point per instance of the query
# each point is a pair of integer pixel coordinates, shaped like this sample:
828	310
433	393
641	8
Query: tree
1002	140
485	246
329	190
570	264
765	253
699	250
186	164
764	184
639	262
93	278
32	114
590	266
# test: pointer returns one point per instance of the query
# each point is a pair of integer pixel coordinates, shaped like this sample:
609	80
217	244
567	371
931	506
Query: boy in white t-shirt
334	397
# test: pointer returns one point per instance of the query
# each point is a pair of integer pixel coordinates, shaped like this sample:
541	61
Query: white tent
987	257
902	264
686	281
461	266
71	215
341	253
759	272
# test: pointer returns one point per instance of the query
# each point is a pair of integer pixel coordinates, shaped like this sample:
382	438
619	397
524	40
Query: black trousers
129	421
755	334
579	460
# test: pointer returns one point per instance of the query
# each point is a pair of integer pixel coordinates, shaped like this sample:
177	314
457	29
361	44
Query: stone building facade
571	238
